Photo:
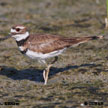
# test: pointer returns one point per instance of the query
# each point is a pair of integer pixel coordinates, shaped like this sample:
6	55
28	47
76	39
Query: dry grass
81	73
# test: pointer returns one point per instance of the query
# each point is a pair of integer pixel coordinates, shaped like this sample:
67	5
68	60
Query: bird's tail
95	37
78	40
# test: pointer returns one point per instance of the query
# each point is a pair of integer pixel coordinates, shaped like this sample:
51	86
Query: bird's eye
17	29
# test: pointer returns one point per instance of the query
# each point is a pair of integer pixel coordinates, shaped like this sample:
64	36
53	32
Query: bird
41	46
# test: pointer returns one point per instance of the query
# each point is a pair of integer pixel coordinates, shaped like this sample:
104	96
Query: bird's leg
45	73
56	58
47	70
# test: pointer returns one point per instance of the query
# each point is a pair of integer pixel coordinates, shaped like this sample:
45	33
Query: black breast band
24	52
21	42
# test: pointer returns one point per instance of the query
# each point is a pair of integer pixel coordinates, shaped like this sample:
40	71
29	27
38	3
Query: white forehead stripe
20	27
13	30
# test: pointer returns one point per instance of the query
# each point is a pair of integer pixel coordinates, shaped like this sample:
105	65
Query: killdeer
43	46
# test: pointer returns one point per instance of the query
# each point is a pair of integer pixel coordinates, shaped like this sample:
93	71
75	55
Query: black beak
2	39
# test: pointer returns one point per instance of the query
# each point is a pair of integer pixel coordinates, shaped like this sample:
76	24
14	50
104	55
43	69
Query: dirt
80	74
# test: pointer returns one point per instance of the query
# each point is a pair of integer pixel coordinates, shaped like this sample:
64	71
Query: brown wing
46	43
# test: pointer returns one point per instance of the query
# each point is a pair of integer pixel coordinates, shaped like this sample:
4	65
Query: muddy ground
80	74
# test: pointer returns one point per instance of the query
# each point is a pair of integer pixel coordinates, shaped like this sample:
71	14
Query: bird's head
19	32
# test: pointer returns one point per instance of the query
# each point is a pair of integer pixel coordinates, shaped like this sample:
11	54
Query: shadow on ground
36	74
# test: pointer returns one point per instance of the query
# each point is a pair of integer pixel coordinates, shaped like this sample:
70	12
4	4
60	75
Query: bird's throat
19	37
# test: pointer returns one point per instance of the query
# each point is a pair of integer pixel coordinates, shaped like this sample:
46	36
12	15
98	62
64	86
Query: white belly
35	55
